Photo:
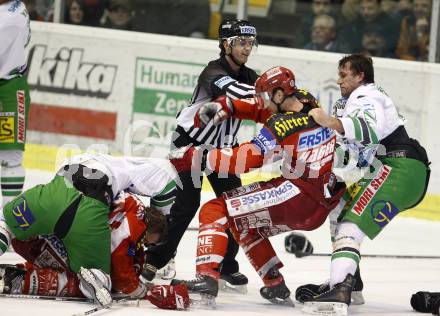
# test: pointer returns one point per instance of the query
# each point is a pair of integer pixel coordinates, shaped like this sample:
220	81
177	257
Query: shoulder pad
306	97
283	125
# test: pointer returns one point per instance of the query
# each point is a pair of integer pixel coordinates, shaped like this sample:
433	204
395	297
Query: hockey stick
382	256
364	256
98	308
70	299
52	298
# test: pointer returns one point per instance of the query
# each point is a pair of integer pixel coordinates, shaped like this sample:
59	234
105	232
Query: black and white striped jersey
216	79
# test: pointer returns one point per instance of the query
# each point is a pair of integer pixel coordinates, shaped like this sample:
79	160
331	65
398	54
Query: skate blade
205	302
229	288
282	302
357	298
102	295
325	308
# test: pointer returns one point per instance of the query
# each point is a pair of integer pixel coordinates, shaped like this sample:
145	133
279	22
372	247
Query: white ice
388	283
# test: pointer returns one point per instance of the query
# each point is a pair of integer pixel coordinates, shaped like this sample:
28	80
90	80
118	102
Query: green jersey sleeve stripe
161	204
169	187
357	128
365	133
373	135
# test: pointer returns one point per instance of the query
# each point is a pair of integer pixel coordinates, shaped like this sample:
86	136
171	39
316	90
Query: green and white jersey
368	116
14	37
152	177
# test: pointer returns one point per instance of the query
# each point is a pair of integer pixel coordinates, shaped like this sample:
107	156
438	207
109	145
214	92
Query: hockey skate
94	286
308	291
11	279
233	282
204	285
148	273
276	290
168	272
332	302
426	302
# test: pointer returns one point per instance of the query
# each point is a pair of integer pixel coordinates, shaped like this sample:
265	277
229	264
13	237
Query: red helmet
276	77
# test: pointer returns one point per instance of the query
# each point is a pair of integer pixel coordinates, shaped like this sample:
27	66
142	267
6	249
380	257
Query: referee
228	76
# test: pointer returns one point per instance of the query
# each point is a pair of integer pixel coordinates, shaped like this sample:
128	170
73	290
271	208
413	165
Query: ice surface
388	283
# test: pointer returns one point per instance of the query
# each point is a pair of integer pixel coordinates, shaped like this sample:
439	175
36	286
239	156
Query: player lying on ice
300	199
133	227
75	207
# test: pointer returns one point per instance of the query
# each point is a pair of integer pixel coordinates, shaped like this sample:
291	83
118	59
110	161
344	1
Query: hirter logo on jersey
285	124
66	72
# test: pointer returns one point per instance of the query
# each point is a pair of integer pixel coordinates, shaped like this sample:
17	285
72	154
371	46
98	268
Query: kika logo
66	72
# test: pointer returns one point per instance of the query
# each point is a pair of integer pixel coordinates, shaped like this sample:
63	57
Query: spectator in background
397	9
323	36
350	10
374	42
119	15
32	10
390	7
94	11
75	12
181	18
371	14
414	33
405	5
318	7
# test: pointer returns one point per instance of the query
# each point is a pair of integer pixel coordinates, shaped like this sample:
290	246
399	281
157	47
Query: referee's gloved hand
187	158
216	111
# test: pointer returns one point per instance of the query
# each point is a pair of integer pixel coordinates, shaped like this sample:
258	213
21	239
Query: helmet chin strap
278	104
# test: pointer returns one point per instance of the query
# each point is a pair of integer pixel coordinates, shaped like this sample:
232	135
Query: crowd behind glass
382	28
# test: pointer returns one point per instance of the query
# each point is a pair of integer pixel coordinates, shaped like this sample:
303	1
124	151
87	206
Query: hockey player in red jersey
132	226
300	199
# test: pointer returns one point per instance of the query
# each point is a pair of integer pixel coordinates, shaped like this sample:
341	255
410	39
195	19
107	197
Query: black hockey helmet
234	27
231	29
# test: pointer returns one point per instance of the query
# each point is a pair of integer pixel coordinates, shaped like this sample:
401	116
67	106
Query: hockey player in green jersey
74	206
14	95
369	125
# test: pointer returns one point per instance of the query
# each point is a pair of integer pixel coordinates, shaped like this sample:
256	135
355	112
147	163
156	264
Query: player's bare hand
320	116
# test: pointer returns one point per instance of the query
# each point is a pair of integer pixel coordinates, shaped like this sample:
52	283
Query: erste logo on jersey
316	146
265	141
314	138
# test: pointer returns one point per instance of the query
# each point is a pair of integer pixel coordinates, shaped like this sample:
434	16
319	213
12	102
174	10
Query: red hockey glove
217	111
262	100
187	158
169	296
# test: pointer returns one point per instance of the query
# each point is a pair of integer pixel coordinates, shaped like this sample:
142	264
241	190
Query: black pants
182	212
